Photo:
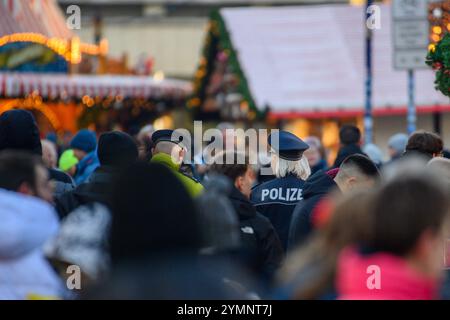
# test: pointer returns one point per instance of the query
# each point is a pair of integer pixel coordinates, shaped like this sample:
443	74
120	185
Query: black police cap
287	145
165	135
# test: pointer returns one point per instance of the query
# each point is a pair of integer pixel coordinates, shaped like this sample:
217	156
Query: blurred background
300	65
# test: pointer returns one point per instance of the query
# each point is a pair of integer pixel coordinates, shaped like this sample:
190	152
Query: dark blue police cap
287	145
165	135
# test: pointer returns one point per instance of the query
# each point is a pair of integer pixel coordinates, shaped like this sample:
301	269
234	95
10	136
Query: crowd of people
139	222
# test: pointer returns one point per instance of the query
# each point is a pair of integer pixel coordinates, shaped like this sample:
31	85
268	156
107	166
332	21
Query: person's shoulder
194	186
292	180
265	184
261	218
190	178
304	206
58	175
261	223
65	203
307	206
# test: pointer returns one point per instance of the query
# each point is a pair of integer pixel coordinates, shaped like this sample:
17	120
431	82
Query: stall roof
310	60
76	86
33	16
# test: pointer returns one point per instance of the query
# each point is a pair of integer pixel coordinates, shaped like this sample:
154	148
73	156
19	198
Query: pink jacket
380	276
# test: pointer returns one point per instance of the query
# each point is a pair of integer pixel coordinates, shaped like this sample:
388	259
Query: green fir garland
438	58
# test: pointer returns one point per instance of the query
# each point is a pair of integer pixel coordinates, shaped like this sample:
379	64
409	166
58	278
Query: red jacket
356	275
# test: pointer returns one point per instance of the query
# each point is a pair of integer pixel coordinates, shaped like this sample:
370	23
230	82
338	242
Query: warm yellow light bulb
437	29
435	37
432	47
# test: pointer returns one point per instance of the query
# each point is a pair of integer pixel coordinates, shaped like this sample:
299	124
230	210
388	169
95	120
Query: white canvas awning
53	86
310	60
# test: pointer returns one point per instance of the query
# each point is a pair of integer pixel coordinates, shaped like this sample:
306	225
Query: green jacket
194	187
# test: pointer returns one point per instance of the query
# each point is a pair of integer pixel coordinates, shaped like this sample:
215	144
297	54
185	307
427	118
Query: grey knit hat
398	142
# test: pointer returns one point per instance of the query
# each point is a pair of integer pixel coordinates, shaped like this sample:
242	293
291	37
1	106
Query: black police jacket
316	187
261	246
276	200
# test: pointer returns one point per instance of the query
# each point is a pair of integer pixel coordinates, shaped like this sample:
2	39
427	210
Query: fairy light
438	18
34	102
435	37
104	47
437	29
431	47
158	76
60	46
75	54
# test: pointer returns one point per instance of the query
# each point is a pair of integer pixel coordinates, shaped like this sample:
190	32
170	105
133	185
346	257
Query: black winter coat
178	275
97	189
316	187
260	243
63	182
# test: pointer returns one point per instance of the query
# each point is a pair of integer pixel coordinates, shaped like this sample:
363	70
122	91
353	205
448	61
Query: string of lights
71	50
439	20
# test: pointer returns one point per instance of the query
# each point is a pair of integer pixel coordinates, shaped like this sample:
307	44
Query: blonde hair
299	168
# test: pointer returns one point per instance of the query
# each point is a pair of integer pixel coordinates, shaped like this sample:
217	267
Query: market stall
303	67
40	62
72	101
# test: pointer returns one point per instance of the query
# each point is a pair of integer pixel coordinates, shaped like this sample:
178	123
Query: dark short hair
349	134
403	209
363	164
17	167
233	170
425	142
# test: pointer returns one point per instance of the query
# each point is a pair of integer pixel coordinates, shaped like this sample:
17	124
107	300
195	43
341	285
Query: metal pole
98	34
368	121
411	117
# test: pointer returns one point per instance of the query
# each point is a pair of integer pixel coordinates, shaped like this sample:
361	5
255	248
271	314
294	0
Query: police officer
276	199
169	151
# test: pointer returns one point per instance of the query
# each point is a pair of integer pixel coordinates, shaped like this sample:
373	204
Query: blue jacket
276	200
85	167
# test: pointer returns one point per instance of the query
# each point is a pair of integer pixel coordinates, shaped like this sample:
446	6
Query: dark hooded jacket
19	131
316	187
345	151
260	243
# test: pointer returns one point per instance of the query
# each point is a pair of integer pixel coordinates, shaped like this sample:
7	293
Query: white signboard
410	34
410	30
408	9
411	59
